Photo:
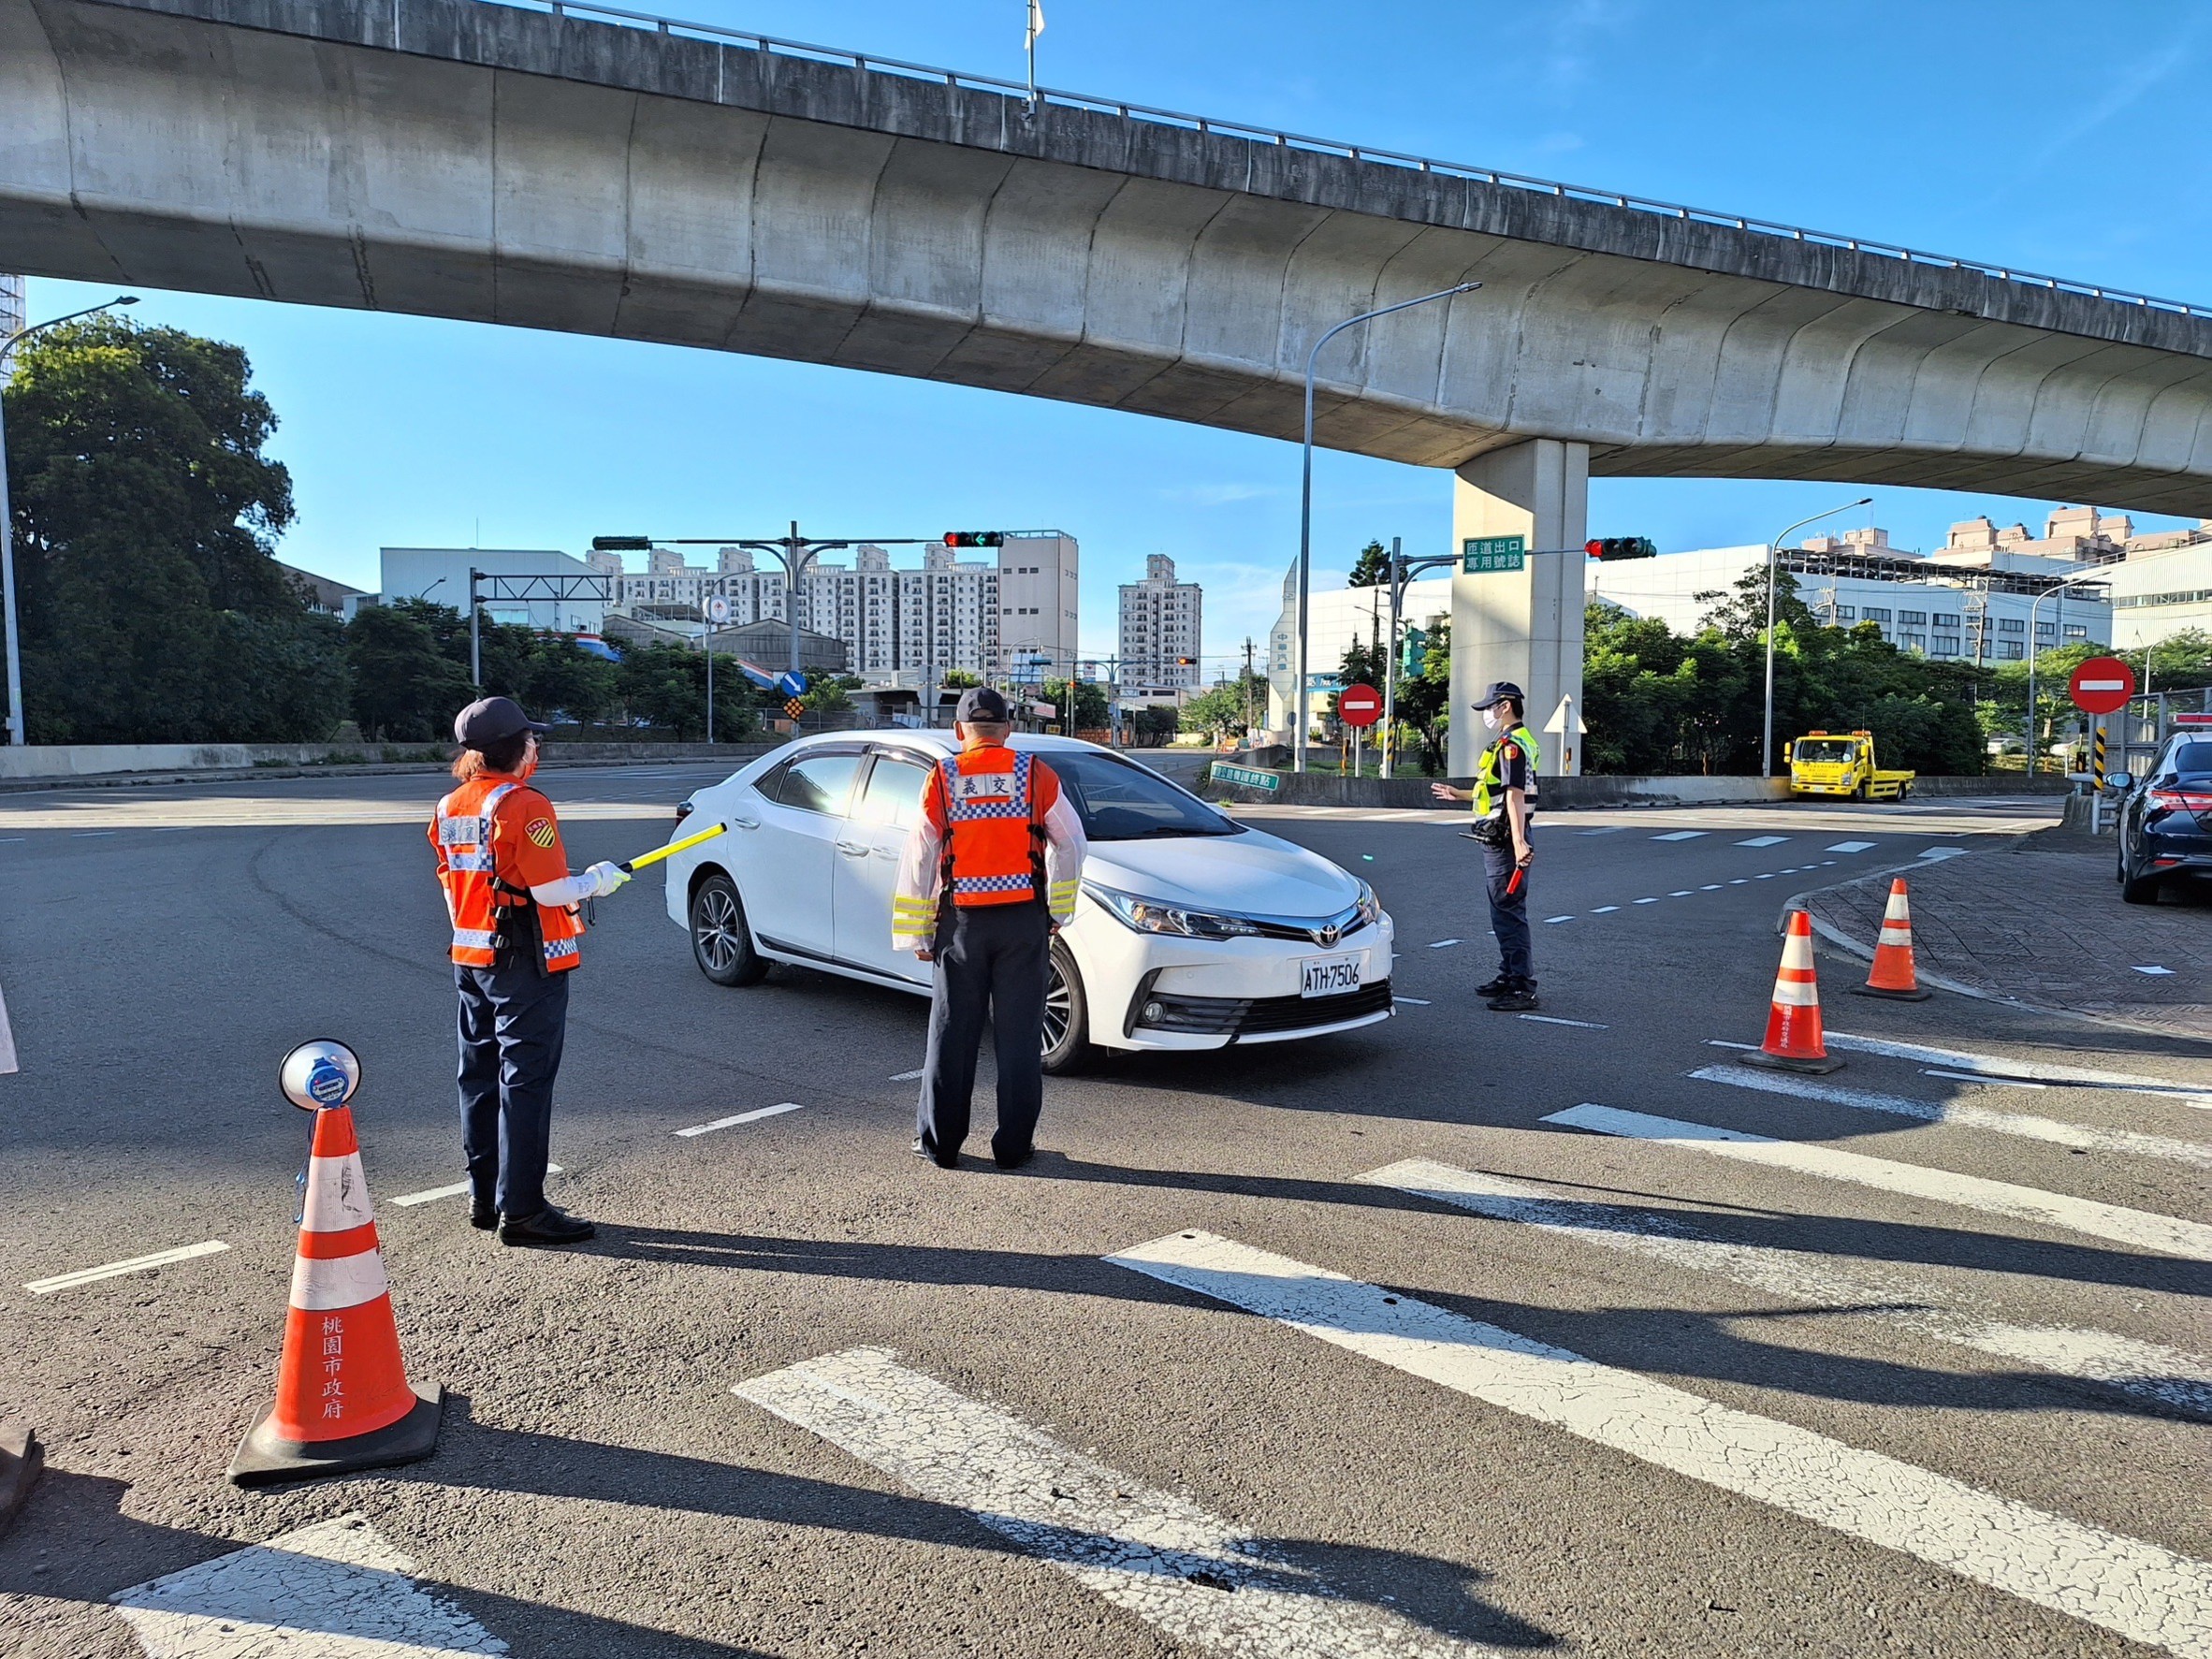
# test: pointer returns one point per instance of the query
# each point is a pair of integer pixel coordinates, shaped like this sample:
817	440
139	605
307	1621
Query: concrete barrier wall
94	760
1326	789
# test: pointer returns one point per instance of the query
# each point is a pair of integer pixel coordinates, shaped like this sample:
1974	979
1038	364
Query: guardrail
867	63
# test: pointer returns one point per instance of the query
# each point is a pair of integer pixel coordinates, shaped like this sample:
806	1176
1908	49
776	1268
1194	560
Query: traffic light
974	538
1620	547
1187	662
1413	653
621	544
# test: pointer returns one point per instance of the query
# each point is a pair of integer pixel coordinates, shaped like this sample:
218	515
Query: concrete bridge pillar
1526	625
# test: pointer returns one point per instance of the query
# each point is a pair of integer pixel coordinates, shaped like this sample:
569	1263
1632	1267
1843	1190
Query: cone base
1915	994
21	1459
1759	1057
265	1459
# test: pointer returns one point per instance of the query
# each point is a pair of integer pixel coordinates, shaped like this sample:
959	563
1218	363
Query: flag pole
1033	25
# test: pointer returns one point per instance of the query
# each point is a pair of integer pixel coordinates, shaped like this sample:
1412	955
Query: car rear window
894	793
820	783
2190	760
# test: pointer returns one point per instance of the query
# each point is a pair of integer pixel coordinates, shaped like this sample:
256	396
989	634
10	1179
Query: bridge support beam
1526	625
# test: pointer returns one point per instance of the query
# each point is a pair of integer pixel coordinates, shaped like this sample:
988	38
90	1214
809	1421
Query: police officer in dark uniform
1505	798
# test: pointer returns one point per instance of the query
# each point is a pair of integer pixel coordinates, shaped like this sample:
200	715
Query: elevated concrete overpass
462	159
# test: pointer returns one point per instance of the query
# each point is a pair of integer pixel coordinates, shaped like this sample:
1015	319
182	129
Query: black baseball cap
981	702
1499	691
492	720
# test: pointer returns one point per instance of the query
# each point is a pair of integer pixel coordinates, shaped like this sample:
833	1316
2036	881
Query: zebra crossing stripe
1190	1575
1992	1066
1900	1298
2081	1137
2134	1589
2168	1234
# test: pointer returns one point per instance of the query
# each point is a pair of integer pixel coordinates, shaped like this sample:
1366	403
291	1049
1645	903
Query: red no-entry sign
2101	685
1359	706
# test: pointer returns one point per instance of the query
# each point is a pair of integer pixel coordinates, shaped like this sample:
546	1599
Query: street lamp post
2034	607
1767	725
15	655
1305	505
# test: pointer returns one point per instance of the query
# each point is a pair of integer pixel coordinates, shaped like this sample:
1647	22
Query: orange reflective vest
994	800
490	912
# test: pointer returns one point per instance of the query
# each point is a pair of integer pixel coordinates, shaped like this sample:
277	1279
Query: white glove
608	876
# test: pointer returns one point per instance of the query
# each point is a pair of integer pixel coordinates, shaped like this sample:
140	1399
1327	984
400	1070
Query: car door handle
744	823
850	851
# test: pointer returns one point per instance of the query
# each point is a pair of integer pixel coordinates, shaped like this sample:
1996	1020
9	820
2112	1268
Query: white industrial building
536	587
1162	623
1337	620
2157	595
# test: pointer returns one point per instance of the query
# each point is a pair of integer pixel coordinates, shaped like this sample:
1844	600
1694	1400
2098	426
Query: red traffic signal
1620	547
974	538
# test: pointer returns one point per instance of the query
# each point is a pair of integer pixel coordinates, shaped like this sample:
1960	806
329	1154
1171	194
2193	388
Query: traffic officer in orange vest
513	906
990	873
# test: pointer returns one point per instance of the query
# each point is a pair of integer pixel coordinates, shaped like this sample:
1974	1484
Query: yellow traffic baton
630	867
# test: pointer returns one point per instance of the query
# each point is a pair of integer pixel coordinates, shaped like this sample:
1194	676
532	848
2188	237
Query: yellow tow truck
1842	763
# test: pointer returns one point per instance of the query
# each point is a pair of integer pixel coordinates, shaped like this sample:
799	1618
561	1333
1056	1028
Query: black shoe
483	1215
1519	999
951	1162
1496	987
1016	1160
548	1227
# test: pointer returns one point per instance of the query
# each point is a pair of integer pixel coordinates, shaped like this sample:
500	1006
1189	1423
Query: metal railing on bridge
868	63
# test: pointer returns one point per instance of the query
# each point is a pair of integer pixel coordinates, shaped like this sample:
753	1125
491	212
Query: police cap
492	720
981	702
1499	691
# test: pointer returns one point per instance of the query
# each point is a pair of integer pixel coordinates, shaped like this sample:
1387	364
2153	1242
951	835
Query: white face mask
1490	718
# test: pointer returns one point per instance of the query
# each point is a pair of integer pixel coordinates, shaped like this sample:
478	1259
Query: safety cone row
342	1399
1793	1040
1894	976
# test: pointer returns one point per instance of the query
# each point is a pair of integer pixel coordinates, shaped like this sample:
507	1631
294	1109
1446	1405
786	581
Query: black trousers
1508	914
514	1020
989	959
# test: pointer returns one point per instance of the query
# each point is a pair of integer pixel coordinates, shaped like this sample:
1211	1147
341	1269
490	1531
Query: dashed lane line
1417	1002
2073	1136
2168	1234
431	1195
1988	1067
753	1116
1894	1295
1555	921
1605	909
115	1270
335	1590
2134	1589
1850	847
1681	836
1710	887
1764	841
7	1039
1189	1574
1442	943
1647	901
1555	1020
909	1076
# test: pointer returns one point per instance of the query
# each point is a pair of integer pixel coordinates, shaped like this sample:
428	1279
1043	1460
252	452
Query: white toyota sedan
1193	931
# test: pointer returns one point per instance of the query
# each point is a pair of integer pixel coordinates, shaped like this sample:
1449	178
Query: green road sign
1247	777
1481	555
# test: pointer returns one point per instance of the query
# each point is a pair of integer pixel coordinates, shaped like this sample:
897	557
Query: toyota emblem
1328	936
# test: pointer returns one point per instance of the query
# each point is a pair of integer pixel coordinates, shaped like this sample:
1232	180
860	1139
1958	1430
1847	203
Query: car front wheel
1067	1013
721	943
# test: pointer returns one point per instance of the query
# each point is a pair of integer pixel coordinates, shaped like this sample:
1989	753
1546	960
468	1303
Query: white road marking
2125	1585
2079	1136
1192	1576
1764	876
7	1041
2010	1083
1417	1002
1995	1065
113	1269
1681	836
1610	829
1440	944
431	1195
80	835
1764	841
753	1116
1554	921
1894	1294
909	1076
2168	1234
334	1590
1680	893
1849	847
1555	1020
1647	901
1710	887
1605	909
1936	855
2154	970
1738	881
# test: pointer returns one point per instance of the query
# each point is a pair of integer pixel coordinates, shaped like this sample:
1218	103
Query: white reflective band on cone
1796	994
320	1286
1796	951
336	1195
1896	933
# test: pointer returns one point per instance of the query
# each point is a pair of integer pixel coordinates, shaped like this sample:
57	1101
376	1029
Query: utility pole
1248	691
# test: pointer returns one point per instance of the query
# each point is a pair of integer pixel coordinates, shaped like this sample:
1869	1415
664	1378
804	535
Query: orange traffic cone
1893	976
1793	1040
342	1399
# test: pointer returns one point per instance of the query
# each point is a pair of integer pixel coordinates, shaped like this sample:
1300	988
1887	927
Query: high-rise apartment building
1161	625
1013	619
13	315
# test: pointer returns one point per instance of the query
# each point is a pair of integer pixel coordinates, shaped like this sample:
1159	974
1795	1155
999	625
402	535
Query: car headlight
1153	915
1370	907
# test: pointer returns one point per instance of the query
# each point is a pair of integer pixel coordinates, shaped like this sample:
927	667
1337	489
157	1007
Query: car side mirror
2119	780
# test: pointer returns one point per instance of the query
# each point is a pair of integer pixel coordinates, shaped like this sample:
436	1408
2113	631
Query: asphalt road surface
1463	1333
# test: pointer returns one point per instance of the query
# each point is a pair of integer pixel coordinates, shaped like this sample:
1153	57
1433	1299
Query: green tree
144	512
560	676
1740	612
1372	569
958	680
1229	708
405	688
1082	703
1424	701
1151	725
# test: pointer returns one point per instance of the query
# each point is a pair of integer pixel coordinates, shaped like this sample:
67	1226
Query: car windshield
1121	802
1824	750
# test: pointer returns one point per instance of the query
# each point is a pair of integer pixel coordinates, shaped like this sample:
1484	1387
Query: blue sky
2051	136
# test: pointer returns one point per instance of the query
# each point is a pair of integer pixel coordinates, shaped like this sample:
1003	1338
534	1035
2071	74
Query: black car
2165	822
